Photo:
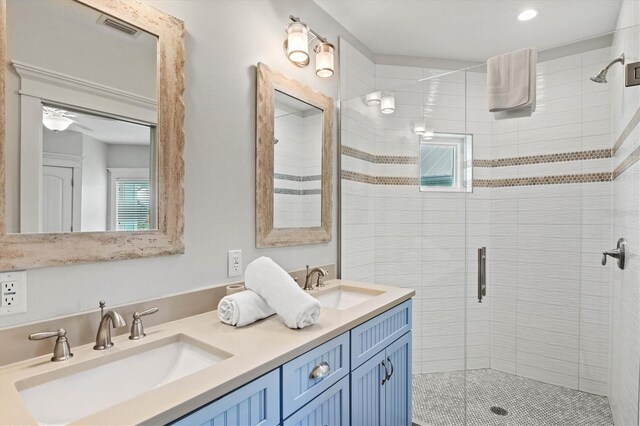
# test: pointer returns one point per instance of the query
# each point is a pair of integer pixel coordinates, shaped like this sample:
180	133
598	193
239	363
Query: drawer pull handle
391	364
320	371
386	373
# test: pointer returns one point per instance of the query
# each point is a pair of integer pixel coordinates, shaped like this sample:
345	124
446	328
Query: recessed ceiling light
528	14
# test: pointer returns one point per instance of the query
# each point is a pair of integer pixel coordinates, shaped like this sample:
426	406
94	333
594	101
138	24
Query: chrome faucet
103	338
307	281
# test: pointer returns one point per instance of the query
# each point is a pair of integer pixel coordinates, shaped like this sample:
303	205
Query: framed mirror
293	162
91	132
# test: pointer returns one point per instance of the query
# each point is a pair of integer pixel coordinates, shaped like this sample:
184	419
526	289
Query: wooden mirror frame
268	81
26	251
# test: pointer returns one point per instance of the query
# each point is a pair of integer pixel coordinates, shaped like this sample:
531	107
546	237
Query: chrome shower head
601	77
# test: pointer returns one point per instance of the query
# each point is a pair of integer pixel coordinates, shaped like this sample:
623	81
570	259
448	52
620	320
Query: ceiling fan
59	120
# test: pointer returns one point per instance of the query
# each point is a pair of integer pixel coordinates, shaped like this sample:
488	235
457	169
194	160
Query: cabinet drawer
331	408
297	386
254	404
374	335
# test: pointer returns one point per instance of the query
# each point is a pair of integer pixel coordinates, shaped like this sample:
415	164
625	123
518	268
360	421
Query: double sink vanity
352	366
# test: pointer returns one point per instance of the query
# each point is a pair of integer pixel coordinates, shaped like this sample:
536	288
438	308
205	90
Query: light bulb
528	14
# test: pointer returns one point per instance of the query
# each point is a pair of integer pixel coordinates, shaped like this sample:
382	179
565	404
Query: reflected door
57	199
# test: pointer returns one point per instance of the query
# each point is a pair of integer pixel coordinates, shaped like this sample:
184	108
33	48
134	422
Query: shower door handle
482	273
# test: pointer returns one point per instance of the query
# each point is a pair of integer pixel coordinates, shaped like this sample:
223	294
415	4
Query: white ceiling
469	30
112	131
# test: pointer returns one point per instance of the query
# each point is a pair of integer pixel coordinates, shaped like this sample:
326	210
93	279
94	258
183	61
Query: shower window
446	163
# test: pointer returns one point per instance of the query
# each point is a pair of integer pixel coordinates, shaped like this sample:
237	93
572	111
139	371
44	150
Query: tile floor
438	399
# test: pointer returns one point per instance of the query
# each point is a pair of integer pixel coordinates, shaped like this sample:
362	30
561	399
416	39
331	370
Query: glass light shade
373	99
324	59
387	104
427	136
56	123
298	42
419	128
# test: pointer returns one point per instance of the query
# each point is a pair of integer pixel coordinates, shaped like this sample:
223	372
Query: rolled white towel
275	285
243	308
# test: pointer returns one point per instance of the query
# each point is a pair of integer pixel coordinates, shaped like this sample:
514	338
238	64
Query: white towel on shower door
511	84
282	293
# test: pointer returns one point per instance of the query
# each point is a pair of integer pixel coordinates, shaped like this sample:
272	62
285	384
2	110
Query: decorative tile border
548	158
378	159
500	162
287	191
627	162
295	178
485	183
551	180
627	131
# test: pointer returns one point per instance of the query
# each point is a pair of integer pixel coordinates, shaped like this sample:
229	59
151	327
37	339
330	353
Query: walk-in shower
555	339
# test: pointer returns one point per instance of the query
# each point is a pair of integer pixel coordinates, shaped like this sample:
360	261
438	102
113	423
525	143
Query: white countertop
256	350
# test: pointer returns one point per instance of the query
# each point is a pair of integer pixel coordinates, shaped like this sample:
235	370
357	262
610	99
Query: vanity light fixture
387	103
527	15
57	123
296	46
373	98
422	129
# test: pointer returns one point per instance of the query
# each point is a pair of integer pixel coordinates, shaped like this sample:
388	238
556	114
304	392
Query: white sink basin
344	298
98	385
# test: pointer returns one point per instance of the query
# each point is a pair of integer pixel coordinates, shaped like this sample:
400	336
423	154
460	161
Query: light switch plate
13	292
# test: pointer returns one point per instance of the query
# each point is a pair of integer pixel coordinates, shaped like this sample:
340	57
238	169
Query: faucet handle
319	282
61	350
137	329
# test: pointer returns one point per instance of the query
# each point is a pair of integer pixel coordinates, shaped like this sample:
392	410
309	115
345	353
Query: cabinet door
397	389
255	404
330	408
367	392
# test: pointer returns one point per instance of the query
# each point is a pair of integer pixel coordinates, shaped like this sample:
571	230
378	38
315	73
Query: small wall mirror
293	179
446	163
92	135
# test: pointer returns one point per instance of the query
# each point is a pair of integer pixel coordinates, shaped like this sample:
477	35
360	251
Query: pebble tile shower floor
438	399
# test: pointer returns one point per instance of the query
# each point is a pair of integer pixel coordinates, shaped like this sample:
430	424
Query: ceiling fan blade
75	123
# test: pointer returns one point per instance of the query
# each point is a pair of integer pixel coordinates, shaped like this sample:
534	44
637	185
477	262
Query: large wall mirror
293	179
92	138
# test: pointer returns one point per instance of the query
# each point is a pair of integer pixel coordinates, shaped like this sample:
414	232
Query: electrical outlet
13	292
235	263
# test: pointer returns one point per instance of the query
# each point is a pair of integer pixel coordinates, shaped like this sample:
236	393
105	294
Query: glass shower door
537	343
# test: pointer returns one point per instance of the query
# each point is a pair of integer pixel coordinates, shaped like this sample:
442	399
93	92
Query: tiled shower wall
625	319
547	314
549	293
298	165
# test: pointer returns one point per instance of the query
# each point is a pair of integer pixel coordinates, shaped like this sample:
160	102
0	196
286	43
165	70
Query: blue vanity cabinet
361	378
397	388
254	404
330	408
381	387
367	392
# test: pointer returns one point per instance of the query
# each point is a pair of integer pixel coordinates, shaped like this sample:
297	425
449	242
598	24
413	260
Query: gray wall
224	41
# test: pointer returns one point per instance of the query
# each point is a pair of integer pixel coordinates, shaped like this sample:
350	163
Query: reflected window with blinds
130	200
